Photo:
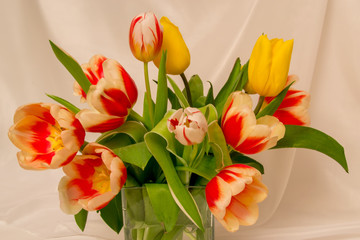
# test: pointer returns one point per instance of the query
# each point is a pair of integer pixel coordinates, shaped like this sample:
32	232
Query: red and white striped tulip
293	110
243	131
93	71
110	100
92	180
145	37
48	135
189	125
233	194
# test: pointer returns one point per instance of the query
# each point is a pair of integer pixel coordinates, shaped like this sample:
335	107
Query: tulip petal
94	121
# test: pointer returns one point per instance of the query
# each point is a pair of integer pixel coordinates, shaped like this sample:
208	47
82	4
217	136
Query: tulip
110	100
93	71
189	126
233	194
293	110
92	180
269	66
178	55
48	135
243	131
145	37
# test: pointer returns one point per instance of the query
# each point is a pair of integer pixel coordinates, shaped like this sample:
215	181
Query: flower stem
147	85
259	104
136	116
187	88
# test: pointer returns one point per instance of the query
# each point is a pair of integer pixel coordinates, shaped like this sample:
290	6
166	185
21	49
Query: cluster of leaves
153	156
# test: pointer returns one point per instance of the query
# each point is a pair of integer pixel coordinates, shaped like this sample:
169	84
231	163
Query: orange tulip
48	135
92	180
233	194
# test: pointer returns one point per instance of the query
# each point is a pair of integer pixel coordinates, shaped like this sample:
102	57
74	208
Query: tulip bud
178	55
145	37
189	126
269	66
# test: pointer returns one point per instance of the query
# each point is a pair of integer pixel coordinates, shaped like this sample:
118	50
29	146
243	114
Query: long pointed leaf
182	99
65	103
161	96
274	104
228	87
210	96
72	66
310	138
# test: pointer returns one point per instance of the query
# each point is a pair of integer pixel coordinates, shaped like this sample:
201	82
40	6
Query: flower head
110	100
178	55
269	66
293	110
145	37
48	135
92	180
93	71
243	131
233	194
189	126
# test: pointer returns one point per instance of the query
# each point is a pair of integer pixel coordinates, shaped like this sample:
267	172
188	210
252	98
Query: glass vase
140	222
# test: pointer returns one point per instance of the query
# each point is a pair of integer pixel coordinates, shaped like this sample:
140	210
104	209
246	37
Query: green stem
259	104
137	116
193	170
187	88
147	85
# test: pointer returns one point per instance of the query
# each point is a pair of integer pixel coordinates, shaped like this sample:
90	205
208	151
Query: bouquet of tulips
184	137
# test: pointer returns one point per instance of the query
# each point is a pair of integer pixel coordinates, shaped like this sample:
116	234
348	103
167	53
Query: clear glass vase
140	222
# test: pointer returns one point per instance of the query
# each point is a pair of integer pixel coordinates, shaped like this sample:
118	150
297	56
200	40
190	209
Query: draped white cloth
311	196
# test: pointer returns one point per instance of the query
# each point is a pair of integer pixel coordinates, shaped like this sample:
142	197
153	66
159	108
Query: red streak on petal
174	122
186	138
46	158
232	130
81	189
251	145
212	192
68	160
106	126
116	102
40	132
288	118
130	87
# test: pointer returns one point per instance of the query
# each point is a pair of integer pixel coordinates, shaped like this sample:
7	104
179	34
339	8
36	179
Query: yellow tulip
178	55
269	66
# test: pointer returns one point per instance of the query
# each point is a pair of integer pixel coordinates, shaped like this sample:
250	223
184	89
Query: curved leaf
310	138
182	99
133	129
161	95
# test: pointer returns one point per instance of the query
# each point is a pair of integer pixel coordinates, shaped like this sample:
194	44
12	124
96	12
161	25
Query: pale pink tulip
233	194
189	126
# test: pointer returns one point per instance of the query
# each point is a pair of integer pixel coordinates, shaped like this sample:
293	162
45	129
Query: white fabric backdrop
311	197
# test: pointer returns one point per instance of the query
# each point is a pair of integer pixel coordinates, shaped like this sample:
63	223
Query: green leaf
228	87
310	138
240	158
160	143
206	168
271	108
136	154
72	66
212	113
210	96
161	96
146	114
175	104
133	129
219	146
200	102
181	97
65	103
112	214
81	218
243	77
196	87
160	196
